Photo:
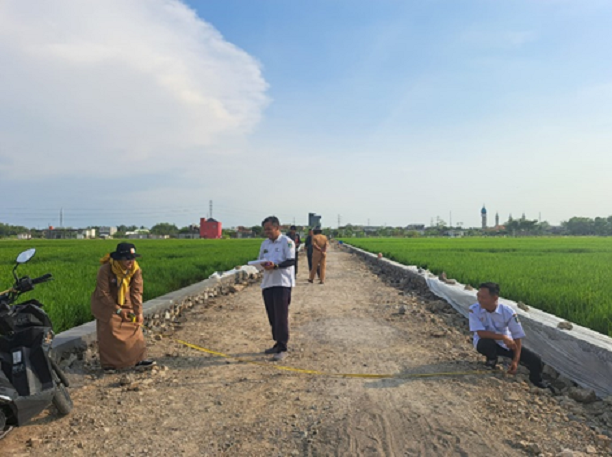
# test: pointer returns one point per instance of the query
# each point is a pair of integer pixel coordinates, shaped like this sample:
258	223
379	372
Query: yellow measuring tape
337	375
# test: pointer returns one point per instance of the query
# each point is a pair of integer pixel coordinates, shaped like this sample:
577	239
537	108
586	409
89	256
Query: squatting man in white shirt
278	279
498	332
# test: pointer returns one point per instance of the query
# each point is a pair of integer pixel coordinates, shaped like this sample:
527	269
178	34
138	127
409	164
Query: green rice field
569	277
167	265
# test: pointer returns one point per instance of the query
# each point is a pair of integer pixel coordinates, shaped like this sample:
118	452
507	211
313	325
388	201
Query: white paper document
258	263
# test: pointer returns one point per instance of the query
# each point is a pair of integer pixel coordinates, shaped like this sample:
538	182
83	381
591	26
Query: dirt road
198	404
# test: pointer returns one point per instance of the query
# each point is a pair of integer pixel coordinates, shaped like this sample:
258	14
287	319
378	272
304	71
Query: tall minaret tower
496	219
483	214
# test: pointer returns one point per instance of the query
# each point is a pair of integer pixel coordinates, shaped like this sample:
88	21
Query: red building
210	228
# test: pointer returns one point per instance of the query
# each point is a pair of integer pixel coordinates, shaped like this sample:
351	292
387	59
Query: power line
81	215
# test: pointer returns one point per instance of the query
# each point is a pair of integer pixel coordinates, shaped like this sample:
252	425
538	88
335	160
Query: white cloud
94	87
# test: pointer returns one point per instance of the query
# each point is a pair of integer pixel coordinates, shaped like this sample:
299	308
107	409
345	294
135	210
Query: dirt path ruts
205	405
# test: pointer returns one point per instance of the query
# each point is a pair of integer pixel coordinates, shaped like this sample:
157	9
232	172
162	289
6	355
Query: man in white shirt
295	236
278	279
498	332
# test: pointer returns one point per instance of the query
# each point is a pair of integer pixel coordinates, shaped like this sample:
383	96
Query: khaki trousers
318	262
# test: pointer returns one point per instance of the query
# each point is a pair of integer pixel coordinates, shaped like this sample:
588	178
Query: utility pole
368	222
339	219
61	217
210	216
450	219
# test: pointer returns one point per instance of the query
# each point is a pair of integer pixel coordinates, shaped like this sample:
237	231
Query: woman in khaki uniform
117	306
319	255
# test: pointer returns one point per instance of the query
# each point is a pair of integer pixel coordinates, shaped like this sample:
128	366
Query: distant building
188	236
192	234
244	232
483	214
210	228
454	233
370	229
60	234
86	234
139	234
314	220
419	228
24	236
107	232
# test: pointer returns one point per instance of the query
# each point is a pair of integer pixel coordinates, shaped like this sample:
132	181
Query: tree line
575	226
600	226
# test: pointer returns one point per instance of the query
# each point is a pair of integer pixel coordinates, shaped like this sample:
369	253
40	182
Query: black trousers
277	301
490	349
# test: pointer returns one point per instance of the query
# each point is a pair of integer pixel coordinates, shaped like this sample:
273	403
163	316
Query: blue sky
395	112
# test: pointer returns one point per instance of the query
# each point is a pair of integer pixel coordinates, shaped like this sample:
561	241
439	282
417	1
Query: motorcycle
30	379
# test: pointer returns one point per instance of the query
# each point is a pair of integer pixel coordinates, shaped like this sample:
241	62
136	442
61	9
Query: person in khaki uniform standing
319	255
116	303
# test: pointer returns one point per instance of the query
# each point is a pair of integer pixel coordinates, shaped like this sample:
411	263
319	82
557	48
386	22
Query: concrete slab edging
578	353
156	311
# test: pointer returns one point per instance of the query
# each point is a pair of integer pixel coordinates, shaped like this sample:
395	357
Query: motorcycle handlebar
43	278
24	284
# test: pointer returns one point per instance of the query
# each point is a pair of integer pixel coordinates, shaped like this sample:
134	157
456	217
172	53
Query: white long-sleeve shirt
277	251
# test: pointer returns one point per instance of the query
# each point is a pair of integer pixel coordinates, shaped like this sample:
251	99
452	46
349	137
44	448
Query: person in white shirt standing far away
498	332
278	279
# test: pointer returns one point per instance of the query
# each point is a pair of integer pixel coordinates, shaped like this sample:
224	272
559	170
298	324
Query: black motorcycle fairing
29	314
6	388
8	395
6	322
32	405
25	363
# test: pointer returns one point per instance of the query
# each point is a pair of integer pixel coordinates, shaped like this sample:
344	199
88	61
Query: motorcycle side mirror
25	256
